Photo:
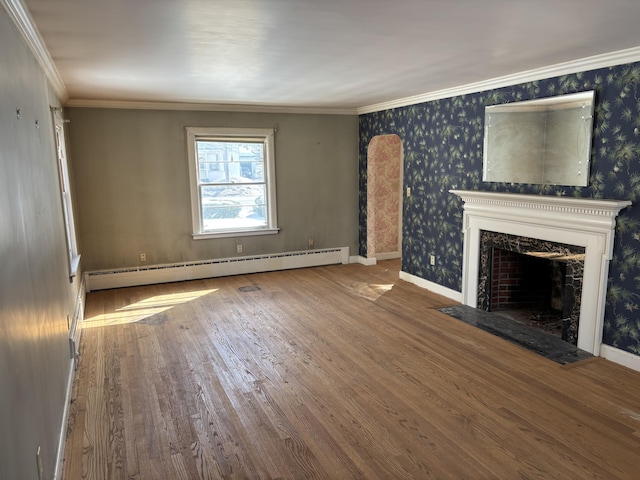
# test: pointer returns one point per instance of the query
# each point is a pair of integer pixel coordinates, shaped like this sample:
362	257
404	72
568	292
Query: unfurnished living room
275	239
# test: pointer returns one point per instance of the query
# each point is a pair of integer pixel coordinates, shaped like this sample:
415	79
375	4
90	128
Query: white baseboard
388	256
433	287
176	272
73	365
369	261
65	420
621	357
366	261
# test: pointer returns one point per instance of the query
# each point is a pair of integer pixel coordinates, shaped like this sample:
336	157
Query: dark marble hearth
531	338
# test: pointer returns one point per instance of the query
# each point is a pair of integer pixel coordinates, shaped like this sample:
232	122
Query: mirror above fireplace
543	141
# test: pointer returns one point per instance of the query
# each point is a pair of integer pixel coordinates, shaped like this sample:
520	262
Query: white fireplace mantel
583	222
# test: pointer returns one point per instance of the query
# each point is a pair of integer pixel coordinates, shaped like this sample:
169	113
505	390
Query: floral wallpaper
383	190
443	142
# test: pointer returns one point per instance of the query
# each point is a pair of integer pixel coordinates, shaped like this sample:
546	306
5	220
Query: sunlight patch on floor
143	309
371	291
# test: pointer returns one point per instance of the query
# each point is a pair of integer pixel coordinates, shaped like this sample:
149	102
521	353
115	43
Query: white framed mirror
543	141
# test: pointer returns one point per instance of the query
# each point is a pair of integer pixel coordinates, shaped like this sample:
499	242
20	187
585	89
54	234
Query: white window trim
267	134
60	143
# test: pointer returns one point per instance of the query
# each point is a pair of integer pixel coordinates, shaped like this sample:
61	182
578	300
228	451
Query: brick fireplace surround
581	222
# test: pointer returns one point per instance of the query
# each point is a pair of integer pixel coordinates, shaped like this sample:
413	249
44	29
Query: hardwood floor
340	372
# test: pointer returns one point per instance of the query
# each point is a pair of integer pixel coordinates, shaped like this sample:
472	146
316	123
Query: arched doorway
384	197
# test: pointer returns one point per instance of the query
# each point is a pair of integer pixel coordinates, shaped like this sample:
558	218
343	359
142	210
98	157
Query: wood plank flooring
340	372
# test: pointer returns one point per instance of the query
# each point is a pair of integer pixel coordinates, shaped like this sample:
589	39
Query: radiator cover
175	272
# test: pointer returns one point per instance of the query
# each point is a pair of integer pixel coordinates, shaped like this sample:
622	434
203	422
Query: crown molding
582	65
21	18
23	21
208	107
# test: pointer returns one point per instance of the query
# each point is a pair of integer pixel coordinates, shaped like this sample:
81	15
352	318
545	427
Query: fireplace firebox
537	282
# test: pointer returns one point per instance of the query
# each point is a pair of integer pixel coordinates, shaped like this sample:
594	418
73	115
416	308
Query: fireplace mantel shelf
569	205
585	222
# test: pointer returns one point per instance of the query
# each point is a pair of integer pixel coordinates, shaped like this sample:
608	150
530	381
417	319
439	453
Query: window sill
235	233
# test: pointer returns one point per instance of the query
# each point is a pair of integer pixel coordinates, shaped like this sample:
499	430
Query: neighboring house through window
232	174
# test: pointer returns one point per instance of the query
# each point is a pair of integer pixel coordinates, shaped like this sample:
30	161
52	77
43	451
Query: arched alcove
384	197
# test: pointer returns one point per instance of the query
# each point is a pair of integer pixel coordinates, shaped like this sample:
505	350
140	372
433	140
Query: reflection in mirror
543	141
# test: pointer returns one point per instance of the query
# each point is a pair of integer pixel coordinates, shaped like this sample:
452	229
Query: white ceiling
335	54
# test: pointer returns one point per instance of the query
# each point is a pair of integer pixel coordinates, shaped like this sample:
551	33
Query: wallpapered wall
443	142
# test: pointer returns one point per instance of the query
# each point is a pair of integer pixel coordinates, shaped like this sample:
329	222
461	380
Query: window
65	191
232	174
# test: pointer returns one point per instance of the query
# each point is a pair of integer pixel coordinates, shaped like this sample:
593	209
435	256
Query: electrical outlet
311	242
239	248
432	259
408	191
143	257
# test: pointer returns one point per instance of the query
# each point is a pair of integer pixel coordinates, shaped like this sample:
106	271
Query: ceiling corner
21	18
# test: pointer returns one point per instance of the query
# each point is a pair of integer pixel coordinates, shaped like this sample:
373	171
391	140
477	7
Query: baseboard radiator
175	272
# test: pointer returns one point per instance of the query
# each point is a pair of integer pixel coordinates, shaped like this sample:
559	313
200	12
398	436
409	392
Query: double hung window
232	174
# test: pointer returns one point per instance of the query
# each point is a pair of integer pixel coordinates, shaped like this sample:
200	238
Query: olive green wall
35	292
132	184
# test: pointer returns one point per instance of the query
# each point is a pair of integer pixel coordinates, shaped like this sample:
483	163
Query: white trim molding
620	57
74	342
582	222
21	18
432	287
207	107
366	261
585	64
620	357
388	256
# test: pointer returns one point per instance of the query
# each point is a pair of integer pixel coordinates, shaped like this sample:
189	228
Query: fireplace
537	282
582	224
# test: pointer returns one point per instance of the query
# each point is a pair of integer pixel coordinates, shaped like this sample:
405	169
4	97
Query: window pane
260	211
252	171
231	206
230	162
